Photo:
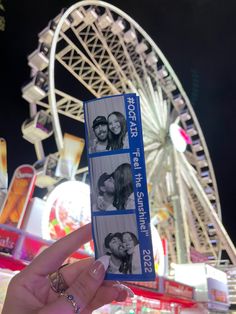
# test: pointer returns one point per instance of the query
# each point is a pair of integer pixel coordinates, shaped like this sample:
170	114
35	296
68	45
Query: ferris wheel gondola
38	127
105	52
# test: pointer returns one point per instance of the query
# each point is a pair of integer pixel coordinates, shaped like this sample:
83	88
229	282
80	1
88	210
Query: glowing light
68	207
158	251
179	137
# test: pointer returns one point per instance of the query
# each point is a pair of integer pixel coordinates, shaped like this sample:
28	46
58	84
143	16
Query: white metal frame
106	62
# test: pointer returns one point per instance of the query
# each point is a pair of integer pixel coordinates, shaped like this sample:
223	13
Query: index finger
52	258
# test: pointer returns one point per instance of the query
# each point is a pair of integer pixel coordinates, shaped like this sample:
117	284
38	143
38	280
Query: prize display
18	196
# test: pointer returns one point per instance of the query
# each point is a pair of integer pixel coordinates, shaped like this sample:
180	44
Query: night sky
196	36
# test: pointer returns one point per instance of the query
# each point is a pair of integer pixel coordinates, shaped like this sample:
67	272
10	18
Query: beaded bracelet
70	298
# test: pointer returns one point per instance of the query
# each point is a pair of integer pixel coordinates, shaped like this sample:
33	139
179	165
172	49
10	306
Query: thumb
82	290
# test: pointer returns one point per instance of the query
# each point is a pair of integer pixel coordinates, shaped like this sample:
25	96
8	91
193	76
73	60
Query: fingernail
125	288
99	267
105	260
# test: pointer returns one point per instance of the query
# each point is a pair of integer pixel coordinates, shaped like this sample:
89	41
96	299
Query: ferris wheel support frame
51	79
224	237
181	235
215	213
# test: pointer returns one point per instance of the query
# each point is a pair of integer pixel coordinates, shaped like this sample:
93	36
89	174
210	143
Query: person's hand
29	292
101	203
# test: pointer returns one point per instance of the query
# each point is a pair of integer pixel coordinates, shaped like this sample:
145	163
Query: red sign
8	241
149	284
177	289
32	247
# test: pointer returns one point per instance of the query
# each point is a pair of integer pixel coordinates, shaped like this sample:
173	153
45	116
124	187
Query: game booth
30	224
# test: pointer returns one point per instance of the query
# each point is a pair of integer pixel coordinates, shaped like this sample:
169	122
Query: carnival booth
42	221
34	226
18	248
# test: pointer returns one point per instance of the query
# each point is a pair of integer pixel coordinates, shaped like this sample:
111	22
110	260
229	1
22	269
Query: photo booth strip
119	118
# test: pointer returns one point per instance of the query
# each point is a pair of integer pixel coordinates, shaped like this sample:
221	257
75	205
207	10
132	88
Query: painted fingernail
105	260
99	267
125	288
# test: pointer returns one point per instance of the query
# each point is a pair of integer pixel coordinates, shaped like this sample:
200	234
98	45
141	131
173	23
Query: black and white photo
120	242
118	194
106	125
99	142
112	184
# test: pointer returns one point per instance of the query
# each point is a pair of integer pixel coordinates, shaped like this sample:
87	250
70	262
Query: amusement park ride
102	51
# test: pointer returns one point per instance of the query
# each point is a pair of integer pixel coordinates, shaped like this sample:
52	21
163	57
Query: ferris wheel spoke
81	67
96	47
151	147
223	236
149	125
110	54
157	165
147	113
43	103
148	120
150	116
183	203
120	51
69	106
162	191
163	108
197	222
156	102
201	221
159	105
144	110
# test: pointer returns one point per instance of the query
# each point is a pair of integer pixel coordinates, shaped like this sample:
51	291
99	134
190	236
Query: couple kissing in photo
123	249
115	190
110	133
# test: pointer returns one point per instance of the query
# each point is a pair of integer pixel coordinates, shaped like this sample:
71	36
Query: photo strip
119	199
111	183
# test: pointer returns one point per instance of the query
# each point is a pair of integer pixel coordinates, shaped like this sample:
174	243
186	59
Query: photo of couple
117	236
123	249
115	190
110	133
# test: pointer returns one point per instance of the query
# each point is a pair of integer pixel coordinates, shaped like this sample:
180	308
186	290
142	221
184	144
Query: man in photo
100	129
106	190
116	189
113	243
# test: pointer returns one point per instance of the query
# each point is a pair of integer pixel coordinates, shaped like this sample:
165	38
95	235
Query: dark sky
196	36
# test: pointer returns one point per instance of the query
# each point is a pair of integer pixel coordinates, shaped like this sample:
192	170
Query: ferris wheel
100	50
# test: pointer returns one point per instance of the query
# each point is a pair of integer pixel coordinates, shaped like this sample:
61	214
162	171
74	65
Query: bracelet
70	298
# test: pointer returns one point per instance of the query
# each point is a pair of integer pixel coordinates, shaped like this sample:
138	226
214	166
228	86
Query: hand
101	203
29	292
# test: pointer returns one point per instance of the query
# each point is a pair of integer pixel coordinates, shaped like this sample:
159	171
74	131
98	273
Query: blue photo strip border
142	213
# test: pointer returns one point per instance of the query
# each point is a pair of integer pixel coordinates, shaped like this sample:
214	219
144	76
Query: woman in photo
117	131
131	245
123	193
